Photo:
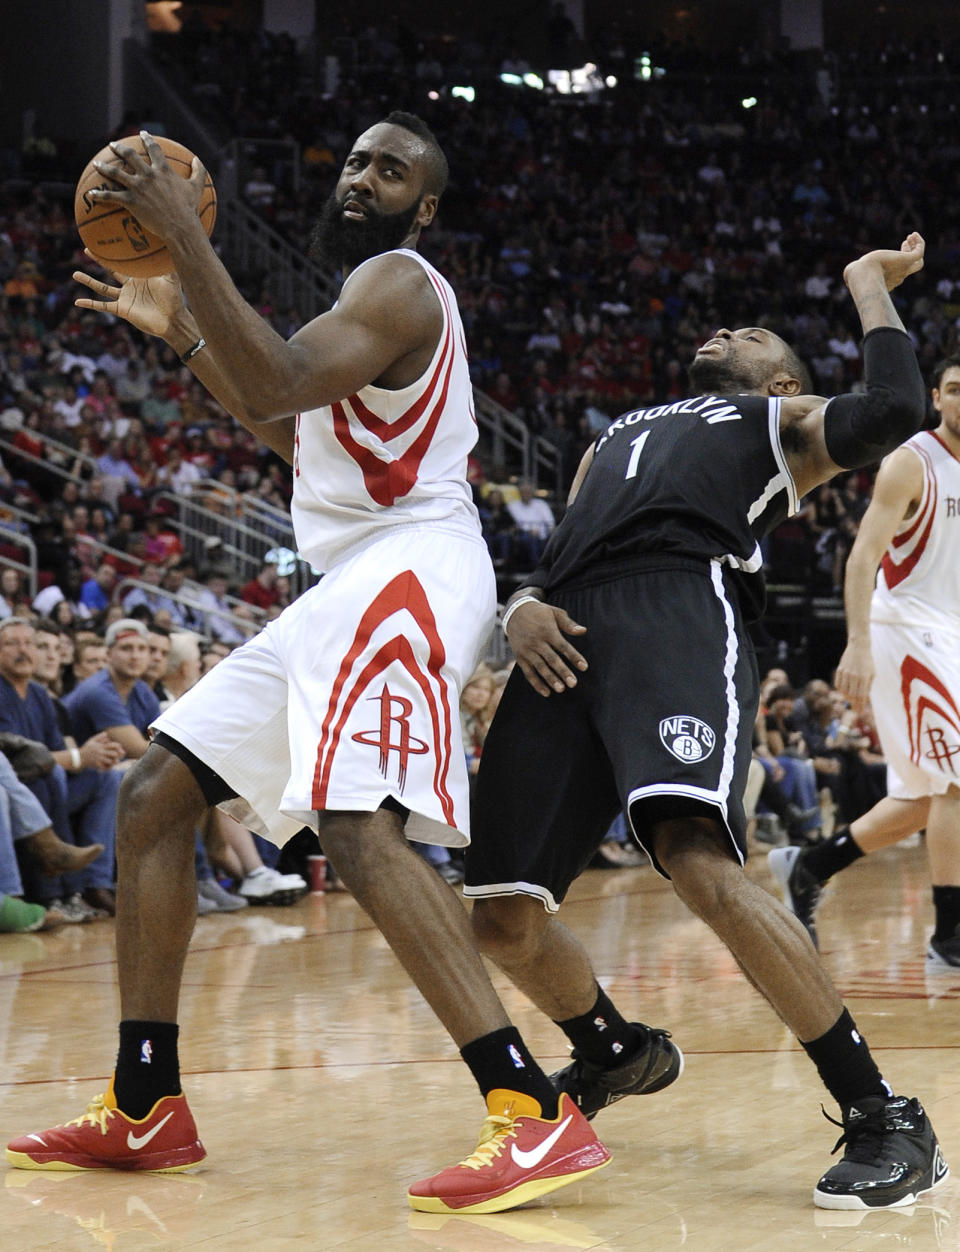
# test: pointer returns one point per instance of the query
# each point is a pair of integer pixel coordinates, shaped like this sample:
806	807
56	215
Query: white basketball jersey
918	583
383	458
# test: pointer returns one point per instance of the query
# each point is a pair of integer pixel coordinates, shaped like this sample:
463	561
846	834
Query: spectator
213	601
158	646
149	596
787	744
13	601
116	700
534	522
79	793
161	543
89	656
498	526
96	592
261	591
25	831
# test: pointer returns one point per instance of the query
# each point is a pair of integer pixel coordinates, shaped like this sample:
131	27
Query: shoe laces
97	1114
863	1137
493	1134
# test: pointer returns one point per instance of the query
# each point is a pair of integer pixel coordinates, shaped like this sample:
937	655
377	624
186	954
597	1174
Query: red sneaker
164	1142
519	1156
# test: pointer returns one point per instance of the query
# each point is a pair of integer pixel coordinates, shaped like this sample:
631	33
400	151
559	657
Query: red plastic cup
318	873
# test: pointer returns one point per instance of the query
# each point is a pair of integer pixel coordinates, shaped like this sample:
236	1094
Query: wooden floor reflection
322	1085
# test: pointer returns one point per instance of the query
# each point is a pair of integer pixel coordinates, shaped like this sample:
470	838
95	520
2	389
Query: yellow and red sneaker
520	1155
163	1142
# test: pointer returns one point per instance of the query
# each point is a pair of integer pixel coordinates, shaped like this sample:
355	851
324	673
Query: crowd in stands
79	705
594	242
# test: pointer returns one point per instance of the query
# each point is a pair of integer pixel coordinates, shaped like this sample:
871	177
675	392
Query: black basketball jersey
705	478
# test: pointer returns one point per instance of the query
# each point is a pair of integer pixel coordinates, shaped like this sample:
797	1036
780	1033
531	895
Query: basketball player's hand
163	202
150	304
536	634
894	265
855	674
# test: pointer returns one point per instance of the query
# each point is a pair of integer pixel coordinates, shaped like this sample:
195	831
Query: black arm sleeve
861	429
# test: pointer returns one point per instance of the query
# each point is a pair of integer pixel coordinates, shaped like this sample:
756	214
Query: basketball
112	234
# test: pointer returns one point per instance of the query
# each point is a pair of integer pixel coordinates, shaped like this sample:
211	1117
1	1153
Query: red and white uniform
915	634
353	693
384	458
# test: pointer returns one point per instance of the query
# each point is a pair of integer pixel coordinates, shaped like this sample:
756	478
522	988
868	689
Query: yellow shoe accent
513	1104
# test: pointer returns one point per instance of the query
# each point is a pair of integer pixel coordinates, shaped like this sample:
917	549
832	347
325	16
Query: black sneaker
892	1155
658	1063
943	954
801	891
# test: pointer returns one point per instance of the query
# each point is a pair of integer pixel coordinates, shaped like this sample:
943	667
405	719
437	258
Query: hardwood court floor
322	1085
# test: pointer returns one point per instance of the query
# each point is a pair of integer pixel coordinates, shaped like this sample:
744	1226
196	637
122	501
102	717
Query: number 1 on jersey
637	446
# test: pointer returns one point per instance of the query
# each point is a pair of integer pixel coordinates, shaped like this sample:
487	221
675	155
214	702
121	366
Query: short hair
438	170
14	620
780	692
153	629
941	367
86	639
181	644
795	365
47	626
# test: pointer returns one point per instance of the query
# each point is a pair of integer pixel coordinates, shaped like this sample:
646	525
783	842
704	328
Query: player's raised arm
851	431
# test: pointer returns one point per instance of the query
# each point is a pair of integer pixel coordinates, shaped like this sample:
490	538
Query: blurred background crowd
601	222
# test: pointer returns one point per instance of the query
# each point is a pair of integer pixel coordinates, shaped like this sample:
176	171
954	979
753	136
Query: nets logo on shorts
687	738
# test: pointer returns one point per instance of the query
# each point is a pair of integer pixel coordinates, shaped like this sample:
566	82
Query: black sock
602	1036
946	904
825	859
148	1067
844	1063
501	1060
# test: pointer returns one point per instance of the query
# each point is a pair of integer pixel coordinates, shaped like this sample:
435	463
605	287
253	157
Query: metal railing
243	546
511	442
253	246
50	466
246	624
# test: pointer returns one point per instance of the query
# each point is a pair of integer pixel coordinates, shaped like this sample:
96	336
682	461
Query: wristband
192	351
75	759
516	604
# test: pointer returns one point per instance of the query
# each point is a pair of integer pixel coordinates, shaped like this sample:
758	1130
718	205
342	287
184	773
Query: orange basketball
111	232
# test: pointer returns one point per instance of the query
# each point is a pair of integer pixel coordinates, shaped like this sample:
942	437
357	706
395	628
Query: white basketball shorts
916	704
352	694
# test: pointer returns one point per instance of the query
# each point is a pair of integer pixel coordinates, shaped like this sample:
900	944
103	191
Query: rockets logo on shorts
687	738
393	733
933	718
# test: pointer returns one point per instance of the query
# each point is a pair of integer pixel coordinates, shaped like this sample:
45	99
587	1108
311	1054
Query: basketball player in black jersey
653	570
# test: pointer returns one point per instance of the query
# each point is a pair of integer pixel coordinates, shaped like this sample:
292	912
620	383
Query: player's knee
158	798
696	854
508	928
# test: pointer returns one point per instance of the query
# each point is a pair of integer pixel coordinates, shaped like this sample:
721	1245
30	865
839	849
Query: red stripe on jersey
913	671
945	446
896	571
403	593
390	430
387	481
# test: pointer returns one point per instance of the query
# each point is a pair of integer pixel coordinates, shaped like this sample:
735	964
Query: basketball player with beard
341	714
652	571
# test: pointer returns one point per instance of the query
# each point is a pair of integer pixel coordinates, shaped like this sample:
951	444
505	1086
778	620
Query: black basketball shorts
660	726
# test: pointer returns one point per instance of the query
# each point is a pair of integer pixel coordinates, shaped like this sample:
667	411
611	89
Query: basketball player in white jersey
342	713
903	653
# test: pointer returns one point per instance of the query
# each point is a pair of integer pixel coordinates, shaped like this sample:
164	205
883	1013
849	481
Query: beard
710	377
342	243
